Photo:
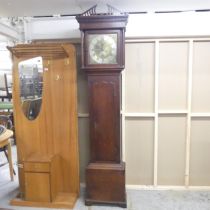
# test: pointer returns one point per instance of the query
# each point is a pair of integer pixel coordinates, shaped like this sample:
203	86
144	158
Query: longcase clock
103	60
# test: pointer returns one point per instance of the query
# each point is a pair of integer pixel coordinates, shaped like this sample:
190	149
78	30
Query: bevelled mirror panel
31	85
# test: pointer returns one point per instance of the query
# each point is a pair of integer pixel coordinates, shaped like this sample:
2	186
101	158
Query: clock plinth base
90	202
105	184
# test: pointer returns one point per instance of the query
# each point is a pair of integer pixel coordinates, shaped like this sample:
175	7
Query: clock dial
102	48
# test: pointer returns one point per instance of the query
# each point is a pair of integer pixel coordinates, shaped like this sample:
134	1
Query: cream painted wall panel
82	97
139	151
139	131
171	150
83	146
200	152
201	77
82	85
173	75
139	77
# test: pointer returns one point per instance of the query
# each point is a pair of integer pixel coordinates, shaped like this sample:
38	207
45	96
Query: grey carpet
137	199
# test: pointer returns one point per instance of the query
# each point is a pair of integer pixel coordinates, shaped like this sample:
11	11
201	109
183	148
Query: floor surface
137	199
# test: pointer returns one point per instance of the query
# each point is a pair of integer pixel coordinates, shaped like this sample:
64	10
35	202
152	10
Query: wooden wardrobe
47	146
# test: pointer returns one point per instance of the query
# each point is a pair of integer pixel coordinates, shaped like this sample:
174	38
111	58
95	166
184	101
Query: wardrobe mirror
31	85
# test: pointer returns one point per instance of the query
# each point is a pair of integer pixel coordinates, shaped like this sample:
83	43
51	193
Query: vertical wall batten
156	112
123	114
189	101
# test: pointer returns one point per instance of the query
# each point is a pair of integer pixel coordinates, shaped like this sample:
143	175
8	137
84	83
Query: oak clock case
103	61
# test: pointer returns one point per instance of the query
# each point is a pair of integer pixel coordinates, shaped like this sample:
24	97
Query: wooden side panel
104	117
56	177
54	131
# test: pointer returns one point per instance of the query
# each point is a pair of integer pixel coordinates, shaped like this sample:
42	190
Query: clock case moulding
103	24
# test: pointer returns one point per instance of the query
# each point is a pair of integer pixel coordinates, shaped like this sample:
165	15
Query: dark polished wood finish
105	184
104	94
105	174
103	24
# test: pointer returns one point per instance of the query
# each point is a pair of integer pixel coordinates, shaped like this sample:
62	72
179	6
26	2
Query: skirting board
161	187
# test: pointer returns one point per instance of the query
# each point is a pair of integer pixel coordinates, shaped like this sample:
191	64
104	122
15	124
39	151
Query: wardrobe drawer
36	167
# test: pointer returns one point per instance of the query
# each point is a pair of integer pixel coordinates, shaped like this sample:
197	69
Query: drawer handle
20	165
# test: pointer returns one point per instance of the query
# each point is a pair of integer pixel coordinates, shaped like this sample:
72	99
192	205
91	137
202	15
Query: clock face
102	48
